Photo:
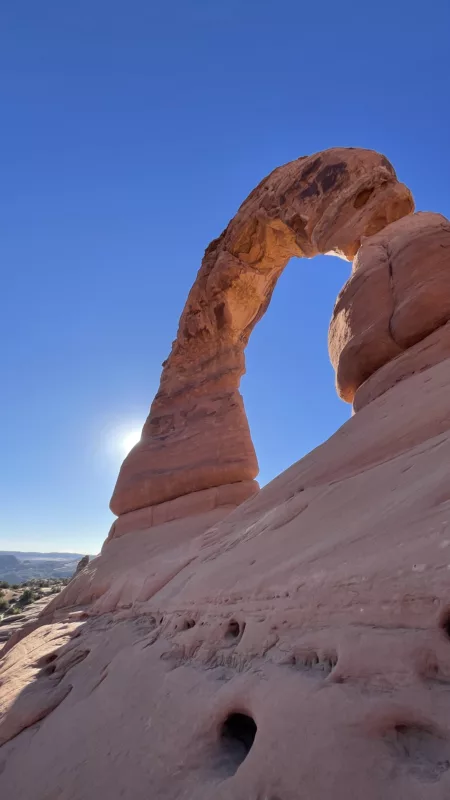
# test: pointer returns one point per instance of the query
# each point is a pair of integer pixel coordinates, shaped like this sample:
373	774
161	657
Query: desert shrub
4	585
26	597
4	605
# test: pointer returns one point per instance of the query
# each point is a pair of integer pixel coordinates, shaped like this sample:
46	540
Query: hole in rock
270	354
237	736
444	622
47	659
187	624
234	629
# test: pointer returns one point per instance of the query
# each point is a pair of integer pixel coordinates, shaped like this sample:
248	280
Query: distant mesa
18	567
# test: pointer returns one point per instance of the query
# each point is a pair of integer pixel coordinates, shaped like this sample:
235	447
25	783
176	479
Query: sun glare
129	440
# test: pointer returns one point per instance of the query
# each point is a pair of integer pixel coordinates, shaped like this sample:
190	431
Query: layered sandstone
298	645
197	436
318	609
398	294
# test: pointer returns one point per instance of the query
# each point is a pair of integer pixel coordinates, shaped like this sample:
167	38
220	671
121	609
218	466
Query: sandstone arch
196	436
313	619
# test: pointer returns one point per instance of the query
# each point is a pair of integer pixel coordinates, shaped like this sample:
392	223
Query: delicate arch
196	435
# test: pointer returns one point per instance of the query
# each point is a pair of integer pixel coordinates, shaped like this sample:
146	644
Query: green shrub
26	597
4	605
4	585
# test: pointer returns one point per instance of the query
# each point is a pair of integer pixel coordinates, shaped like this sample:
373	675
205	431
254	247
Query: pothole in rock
312	663
43	661
236	739
234	630
419	750
444	622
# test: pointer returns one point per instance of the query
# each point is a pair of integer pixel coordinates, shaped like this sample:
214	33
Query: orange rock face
398	294
197	436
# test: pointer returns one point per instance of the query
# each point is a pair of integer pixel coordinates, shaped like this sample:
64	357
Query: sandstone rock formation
196	436
398	294
298	645
83	562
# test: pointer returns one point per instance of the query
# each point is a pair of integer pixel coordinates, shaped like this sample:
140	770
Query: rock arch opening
196	437
288	387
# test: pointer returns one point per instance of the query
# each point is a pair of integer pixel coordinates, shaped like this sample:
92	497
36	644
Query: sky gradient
130	136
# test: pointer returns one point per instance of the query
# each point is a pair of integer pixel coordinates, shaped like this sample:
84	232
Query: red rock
398	293
197	436
418	358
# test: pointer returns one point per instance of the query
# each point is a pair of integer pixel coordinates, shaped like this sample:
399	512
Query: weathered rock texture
398	294
197	436
296	646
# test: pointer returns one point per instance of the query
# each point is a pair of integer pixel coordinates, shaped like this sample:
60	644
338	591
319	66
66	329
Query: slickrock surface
10	625
297	646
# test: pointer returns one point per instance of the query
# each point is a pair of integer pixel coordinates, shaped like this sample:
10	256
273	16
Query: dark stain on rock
219	313
310	191
162	425
332	174
312	167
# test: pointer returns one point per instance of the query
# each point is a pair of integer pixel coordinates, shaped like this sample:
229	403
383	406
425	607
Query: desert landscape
18	567
268	644
23	603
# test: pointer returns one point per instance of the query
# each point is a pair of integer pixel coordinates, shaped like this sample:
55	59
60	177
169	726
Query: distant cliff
17	567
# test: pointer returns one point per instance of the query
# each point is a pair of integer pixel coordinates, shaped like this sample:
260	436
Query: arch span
196	436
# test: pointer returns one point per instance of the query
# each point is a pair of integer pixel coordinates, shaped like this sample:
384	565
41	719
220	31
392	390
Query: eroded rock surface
398	294
297	645
197	436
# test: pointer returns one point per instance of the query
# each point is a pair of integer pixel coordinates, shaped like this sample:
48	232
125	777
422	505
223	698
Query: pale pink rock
315	608
425	354
224	497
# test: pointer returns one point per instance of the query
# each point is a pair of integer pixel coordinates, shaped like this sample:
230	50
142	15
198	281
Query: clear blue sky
131	132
